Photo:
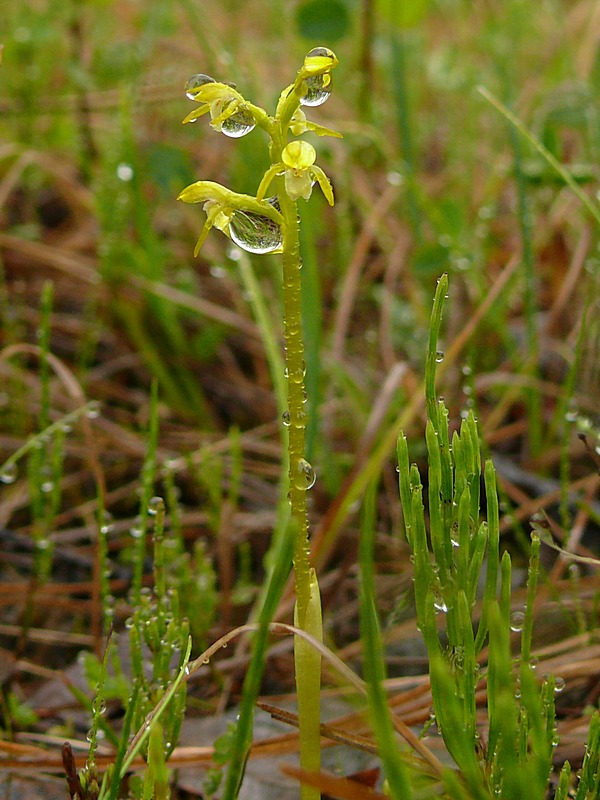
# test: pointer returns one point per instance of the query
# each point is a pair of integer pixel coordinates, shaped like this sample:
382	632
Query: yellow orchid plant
262	224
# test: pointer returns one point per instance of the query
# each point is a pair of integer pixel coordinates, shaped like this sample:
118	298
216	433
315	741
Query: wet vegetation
449	406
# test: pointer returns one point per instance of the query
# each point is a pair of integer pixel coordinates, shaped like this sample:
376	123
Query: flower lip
299	155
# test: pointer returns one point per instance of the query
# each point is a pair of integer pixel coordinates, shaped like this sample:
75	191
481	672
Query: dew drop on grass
439	605
285	418
125	172
517	618
255	233
107	523
439	356
154	504
93	410
9	473
195	82
559	685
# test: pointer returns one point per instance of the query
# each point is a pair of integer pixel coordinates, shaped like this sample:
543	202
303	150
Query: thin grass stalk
533	397
374	658
592	208
148	476
398	50
243	733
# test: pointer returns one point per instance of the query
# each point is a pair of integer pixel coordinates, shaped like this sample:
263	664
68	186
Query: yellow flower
300	171
229	112
254	225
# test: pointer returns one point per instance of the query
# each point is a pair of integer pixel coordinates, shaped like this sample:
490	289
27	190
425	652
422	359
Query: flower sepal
299	124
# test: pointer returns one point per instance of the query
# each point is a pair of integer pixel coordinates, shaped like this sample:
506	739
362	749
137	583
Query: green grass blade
566	176
374	659
243	733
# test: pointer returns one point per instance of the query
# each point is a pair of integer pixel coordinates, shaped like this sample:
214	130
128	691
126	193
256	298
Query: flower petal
324	183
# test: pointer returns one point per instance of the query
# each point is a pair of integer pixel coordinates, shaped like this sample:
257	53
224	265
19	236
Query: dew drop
305	475
9	473
125	172
318	89
195	82
93	410
439	356
285	418
238	124
517	618
255	233
439	605
559	685
154	505
300	420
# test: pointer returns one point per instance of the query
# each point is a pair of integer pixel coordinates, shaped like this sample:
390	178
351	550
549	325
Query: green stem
307	615
299	469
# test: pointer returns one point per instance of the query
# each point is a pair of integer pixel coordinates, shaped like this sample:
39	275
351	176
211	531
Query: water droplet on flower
318	89
517	618
9	473
255	233
238	124
305	475
195	82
